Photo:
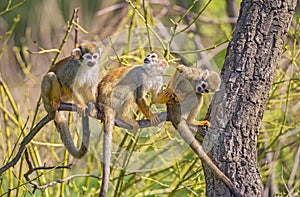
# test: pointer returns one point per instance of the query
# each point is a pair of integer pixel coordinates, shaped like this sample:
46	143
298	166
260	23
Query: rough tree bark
237	109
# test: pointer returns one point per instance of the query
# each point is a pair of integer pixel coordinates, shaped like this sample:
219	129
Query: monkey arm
141	103
77	97
194	112
144	108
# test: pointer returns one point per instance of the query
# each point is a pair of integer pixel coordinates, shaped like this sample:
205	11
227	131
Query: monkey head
209	82
88	53
155	59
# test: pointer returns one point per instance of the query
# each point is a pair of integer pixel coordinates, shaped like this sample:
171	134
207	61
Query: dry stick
52	183
70	24
32	169
76	20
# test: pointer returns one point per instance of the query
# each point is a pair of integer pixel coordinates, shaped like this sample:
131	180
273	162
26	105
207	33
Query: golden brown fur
117	93
73	78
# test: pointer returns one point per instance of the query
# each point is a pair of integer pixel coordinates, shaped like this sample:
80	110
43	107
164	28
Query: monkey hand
154	119
81	109
169	93
91	109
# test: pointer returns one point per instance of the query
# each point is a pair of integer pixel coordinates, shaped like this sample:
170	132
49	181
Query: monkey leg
144	108
79	100
51	92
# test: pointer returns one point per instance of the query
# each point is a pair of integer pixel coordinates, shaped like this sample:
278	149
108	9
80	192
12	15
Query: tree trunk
237	109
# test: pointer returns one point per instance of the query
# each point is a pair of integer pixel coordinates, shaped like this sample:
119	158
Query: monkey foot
56	103
201	123
169	93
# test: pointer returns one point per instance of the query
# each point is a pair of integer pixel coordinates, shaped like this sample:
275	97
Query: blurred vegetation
36	25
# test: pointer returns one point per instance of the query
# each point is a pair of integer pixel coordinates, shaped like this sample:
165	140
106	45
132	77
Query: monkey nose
146	60
90	64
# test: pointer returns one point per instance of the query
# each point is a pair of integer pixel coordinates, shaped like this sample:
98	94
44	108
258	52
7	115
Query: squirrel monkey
185	89
183	97
117	92
72	78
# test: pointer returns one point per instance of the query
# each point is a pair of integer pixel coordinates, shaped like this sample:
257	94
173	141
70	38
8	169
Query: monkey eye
87	56
96	56
153	56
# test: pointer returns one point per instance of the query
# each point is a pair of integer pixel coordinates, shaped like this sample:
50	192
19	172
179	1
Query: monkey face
151	58
209	82
202	87
90	59
153	61
87	53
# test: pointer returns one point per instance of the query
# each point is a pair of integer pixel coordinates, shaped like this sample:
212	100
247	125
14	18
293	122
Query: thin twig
196	18
9	7
8	34
70	24
148	26
76	20
111	8
202	50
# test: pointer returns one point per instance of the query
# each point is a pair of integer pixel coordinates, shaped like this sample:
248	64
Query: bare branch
163	116
99	115
25	141
76	20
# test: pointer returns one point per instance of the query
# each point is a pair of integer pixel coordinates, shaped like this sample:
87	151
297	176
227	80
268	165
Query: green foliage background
39	25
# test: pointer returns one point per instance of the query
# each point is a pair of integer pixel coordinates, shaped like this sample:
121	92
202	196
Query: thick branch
200	133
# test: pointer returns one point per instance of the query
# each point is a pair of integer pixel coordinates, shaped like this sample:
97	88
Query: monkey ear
163	63
180	67
204	74
76	53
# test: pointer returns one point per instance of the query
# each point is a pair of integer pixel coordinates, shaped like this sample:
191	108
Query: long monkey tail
63	129
109	121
